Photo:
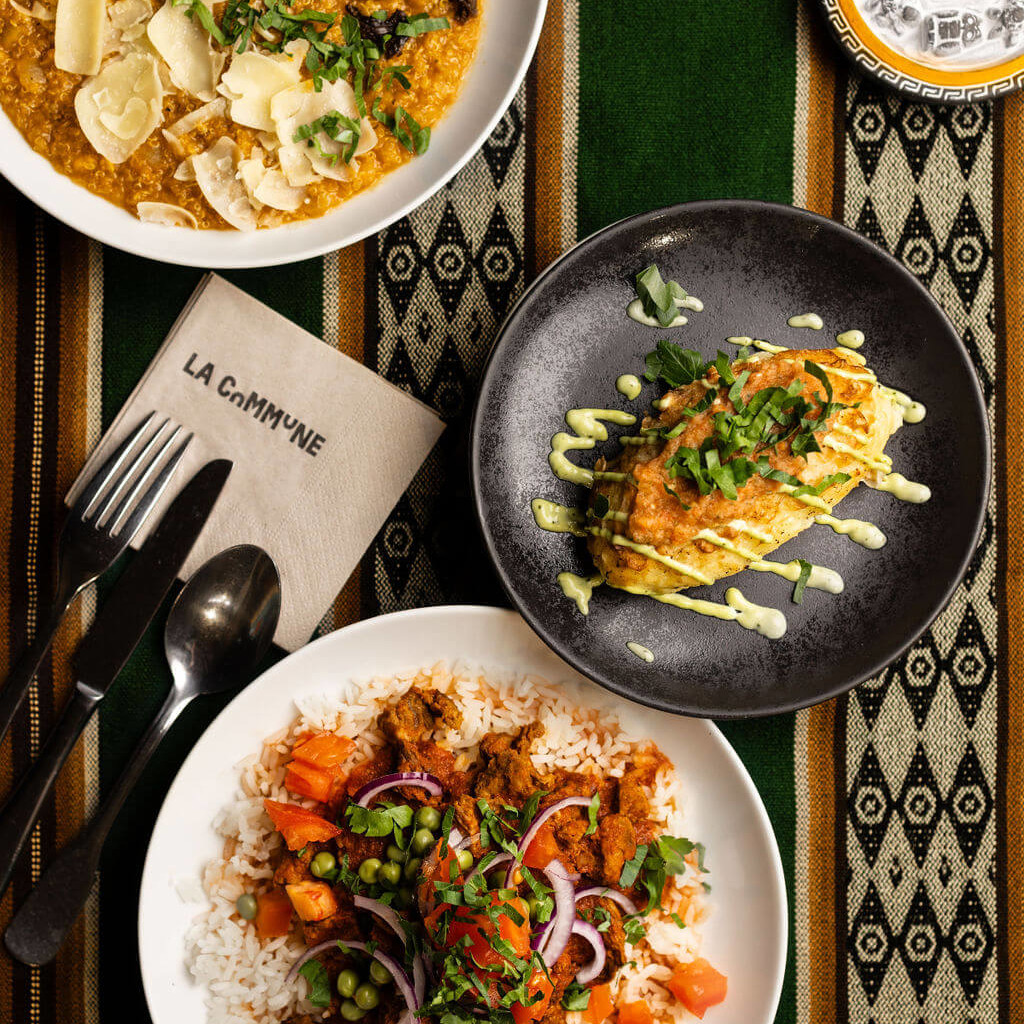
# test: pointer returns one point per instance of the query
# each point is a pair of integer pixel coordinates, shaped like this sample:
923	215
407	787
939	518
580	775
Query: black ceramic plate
753	265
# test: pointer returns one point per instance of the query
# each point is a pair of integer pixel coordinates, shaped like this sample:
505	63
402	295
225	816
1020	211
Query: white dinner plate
723	808
508	37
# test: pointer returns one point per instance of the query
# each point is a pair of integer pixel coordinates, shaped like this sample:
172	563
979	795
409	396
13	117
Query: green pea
348	982
323	864
350	1011
422	841
367	996
534	904
412	867
379	974
390	875
247	906
369	870
395	853
427	817
465	860
406	898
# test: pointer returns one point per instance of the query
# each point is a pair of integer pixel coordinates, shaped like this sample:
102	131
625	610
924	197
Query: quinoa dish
441	846
242	114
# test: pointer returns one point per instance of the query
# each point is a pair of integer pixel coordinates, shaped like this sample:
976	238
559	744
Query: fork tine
151	496
140	463
145	466
107	471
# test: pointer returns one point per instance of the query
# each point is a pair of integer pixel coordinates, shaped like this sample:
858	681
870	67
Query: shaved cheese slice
120	107
185	171
274	190
194	64
193	119
128	13
79	30
268	141
296	166
267	186
250	83
217	177
37	10
167	214
301	105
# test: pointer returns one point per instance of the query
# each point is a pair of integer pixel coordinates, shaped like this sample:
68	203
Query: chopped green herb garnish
420	23
336	126
675	365
658	297
576	997
198	10
404	127
595	803
801	581
676	496
319	987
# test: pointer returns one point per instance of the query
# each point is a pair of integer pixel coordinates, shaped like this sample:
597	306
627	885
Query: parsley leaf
631	869
801	581
668	490
576	997
336	126
413	136
198	10
319	988
420	23
378	822
675	365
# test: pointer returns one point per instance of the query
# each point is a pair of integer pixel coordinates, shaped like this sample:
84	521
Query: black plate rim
706	206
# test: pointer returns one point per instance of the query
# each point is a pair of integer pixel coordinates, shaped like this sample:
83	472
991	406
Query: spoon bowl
223	620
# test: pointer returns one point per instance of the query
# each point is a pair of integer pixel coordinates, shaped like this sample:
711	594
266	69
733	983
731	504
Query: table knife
120	624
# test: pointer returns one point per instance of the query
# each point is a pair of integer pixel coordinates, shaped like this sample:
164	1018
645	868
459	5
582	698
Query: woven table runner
898	808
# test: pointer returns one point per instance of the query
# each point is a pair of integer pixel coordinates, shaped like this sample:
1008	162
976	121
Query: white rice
245	978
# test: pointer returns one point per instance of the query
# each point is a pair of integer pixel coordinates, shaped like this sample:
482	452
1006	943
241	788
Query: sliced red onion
587	974
424	780
402	982
609	894
391	919
531	832
553	939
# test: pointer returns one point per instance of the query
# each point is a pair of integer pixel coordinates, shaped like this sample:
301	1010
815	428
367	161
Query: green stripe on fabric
683	102
141	301
766	748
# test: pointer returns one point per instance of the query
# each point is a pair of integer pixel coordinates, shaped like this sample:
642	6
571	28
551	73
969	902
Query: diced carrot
324	751
299	826
306	780
635	1013
537	1008
313	901
273	914
698	986
543	849
599	1007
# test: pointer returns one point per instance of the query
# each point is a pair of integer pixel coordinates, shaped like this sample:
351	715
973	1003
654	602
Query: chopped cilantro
319	987
575	997
675	365
595	803
658	297
378	822
676	496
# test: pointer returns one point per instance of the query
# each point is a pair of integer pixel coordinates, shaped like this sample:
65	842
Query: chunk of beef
343	924
381	30
463	10
575	848
507	777
618	845
358	848
606	916
466	819
408	720
294	867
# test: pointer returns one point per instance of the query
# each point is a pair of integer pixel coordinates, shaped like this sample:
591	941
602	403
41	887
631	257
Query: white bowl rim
474	119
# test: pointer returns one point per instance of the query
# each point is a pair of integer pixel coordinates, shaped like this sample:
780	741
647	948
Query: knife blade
118	627
141	590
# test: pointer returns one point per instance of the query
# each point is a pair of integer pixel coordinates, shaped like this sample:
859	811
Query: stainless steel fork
99	527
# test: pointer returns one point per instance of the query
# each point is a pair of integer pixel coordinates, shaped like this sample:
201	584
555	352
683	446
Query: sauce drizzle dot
643	653
811	320
628	384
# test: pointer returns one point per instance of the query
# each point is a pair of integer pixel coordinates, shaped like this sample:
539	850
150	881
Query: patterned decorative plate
948	51
753	265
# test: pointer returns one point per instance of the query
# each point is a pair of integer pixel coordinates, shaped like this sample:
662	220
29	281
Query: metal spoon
218	630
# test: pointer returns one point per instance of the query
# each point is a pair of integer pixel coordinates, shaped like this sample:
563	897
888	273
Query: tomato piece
543	849
481	930
599	1006
698	986
305	780
313	901
299	826
538	983
324	750
273	914
636	1013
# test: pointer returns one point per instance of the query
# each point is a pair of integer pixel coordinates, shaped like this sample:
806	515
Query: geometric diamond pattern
920	738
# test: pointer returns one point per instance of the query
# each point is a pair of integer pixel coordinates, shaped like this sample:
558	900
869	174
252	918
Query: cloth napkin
322	447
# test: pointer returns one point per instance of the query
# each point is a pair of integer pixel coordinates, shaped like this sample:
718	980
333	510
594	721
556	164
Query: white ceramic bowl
723	809
508	37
